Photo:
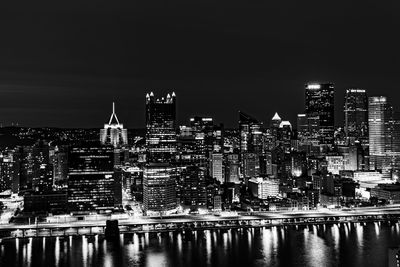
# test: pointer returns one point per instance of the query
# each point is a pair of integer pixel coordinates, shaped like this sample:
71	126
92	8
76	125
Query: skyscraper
91	180
159	195
250	134
114	132
194	187
216	167
320	107
161	134
356	115
378	120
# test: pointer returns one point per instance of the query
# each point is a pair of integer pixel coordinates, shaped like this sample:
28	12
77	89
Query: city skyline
199	133
339	110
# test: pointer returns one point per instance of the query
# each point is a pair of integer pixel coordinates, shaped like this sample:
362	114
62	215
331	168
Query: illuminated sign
314	86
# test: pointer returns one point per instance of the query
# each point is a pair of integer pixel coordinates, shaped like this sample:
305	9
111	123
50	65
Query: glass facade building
161	136
91	180
356	115
320	108
159	195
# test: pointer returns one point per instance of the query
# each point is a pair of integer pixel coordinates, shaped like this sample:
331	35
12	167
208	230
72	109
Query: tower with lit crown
161	136
114	132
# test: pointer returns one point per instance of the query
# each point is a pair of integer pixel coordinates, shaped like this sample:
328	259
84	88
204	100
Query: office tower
43	180
28	160
216	167
275	121
190	147
206	137
7	172
320	108
378	119
356	115
285	135
335	164
60	164
159	195
352	157
302	126
250	134
91	181
393	137
161	127
114	132
264	188
215	139
251	166
232	168
194	187
202	130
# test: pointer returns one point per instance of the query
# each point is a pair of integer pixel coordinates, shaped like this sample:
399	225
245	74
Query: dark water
332	245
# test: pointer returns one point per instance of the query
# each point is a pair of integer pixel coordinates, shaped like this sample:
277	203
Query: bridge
205	222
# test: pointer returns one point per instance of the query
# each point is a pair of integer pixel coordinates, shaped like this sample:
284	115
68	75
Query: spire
276	117
113	115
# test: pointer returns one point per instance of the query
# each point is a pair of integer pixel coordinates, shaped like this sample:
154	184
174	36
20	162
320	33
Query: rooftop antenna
113	114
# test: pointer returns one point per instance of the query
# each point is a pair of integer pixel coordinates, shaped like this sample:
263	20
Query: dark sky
62	63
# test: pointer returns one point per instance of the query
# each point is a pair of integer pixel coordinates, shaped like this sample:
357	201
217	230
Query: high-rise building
194	187
60	164
356	115
91	181
275	121
251	166
302	126
232	168
378	119
7	172
216	167
43	180
250	134
159	195
161	134
114	132
320	107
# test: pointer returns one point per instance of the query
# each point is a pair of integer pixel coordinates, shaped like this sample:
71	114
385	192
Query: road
388	210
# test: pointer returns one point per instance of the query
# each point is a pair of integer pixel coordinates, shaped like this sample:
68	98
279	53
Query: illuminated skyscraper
216	167
161	133
159	195
356	115
320	107
276	121
114	132
91	181
250	134
378	123
302	126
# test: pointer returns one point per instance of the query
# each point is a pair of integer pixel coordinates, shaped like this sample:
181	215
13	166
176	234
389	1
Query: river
323	245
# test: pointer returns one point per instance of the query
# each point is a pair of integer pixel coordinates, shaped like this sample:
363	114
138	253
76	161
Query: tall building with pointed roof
113	132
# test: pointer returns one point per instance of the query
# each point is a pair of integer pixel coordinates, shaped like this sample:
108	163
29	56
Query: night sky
62	63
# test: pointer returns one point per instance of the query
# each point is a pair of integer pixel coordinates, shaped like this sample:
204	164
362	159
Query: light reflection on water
347	244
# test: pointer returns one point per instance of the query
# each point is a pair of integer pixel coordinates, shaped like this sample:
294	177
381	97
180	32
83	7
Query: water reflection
346	244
